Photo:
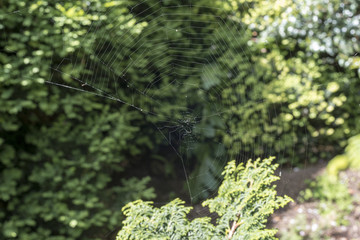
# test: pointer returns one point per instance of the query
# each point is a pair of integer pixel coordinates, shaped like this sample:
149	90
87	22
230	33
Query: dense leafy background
61	151
285	75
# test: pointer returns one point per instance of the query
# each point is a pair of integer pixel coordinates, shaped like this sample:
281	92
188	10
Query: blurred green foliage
289	83
304	95
61	152
350	159
331	192
353	152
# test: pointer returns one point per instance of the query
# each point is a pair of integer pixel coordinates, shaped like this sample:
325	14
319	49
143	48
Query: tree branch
233	229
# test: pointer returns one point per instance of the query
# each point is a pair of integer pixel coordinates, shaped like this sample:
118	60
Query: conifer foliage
245	199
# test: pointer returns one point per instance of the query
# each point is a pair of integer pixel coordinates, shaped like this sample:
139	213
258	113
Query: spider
180	127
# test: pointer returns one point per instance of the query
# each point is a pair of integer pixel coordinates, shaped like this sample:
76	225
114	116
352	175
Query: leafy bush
303	95
246	198
353	151
350	159
59	150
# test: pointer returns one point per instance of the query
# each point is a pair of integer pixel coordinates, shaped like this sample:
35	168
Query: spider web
179	72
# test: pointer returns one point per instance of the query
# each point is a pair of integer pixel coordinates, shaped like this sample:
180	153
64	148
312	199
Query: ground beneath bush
303	220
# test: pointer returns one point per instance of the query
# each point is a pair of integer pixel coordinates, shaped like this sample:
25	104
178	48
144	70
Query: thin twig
233	228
